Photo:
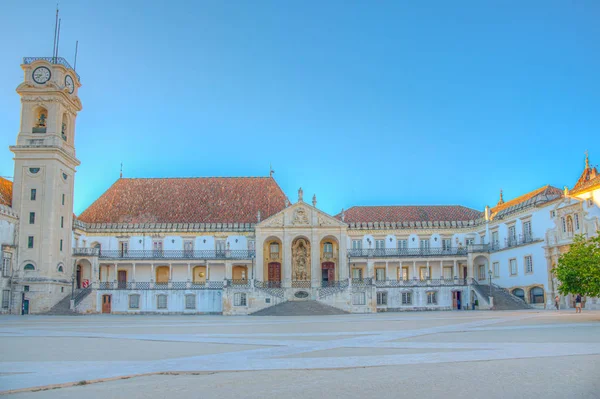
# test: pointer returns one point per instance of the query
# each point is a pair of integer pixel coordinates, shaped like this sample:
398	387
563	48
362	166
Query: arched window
519	293
274	247
40	120
29	267
328	247
60	268
536	295
64	126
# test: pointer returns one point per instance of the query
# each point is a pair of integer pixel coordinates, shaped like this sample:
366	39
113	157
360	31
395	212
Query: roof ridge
196	177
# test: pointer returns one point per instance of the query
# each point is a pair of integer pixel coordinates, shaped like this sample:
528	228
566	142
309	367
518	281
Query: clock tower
43	184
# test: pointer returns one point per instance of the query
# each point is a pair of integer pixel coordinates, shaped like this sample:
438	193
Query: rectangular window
469	241
576	221
134	301
564	225
26	288
190	301
406	298
446	244
552	214
239	299
402	244
358	298
357	274
496	269
30	242
513	267
33	194
424	244
157	248
380	274
5	299
403	273
60	245
382	298
251	245
124	247
431	298
6	264
527	233
379	244
356	244
63	199
220	247
528	264
481	272
62	222
495	240
512	236
188	248
424	273
161	302
31	217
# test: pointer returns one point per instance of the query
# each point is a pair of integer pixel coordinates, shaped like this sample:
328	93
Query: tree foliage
578	270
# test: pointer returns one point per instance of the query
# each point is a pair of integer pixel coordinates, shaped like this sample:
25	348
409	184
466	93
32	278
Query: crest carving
300	217
276	221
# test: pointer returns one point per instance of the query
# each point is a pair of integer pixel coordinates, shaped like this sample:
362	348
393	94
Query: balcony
86	251
176	254
512	242
406	252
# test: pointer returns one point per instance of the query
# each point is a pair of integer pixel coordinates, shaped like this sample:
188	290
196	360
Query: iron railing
406	252
86	251
267	284
177	254
81	294
51	60
433	282
301	283
149	285
512	242
240	283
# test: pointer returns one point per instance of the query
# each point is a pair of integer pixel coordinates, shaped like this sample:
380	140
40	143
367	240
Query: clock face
41	75
69	83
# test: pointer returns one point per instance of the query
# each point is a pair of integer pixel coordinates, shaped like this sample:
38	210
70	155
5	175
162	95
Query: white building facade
238	245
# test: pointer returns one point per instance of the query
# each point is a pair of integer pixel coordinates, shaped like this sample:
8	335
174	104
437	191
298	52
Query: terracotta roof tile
409	213
6	187
187	200
535	197
590	178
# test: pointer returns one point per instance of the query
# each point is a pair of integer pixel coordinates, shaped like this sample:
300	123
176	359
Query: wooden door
274	272
122	279
106	299
330	268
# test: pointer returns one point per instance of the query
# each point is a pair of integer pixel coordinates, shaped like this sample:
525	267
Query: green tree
578	270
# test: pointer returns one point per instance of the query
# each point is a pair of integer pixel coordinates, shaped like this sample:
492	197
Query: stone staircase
63	307
503	300
299	308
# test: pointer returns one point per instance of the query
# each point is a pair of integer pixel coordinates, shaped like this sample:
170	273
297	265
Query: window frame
357	244
496	269
137	296
240	299
359	299
402	243
33	194
5	299
158	304
189	306
406	298
6	264
30	242
432	298
382	298
528	264
31	217
510	267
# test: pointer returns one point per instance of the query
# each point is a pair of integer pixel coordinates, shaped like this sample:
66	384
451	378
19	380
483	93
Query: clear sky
360	102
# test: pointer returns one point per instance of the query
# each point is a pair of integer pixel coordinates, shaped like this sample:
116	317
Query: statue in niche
301	260
62	132
42	120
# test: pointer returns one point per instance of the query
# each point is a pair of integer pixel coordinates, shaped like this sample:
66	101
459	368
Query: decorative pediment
274	221
301	215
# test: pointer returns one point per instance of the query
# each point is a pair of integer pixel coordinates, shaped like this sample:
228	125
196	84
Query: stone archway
83	273
301	264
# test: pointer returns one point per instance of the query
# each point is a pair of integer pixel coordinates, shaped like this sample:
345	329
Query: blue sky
362	103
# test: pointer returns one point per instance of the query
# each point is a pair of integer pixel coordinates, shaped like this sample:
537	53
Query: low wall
206	301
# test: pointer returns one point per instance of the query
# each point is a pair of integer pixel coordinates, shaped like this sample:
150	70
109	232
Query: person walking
557	302
578	303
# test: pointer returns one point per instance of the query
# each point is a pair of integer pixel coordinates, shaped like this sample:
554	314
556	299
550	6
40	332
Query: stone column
370	269
116	272
455	270
315	260
414	269
189	272
228	270
134	272
387	272
441	269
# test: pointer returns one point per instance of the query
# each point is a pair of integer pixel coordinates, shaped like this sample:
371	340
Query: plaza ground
427	354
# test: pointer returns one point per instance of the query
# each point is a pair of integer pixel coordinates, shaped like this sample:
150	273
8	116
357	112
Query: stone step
299	308
502	299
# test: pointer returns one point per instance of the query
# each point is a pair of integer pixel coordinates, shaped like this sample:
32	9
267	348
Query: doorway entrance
457	300
106	300
122	279
274	274
25	309
78	276
327	273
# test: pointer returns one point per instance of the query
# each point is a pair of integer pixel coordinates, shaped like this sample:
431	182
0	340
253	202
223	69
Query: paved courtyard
430	354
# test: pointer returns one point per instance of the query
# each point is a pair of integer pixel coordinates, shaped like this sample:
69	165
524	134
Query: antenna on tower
55	31
75	63
57	38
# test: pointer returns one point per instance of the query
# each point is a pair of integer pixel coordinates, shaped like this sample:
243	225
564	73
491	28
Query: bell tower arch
43	186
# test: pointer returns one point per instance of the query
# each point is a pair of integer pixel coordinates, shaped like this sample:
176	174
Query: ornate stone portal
301	260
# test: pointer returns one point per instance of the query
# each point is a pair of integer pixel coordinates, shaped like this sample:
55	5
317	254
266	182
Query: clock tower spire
45	165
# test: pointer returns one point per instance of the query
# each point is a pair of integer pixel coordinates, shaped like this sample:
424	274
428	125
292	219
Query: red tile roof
6	187
187	200
409	213
590	178
535	197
